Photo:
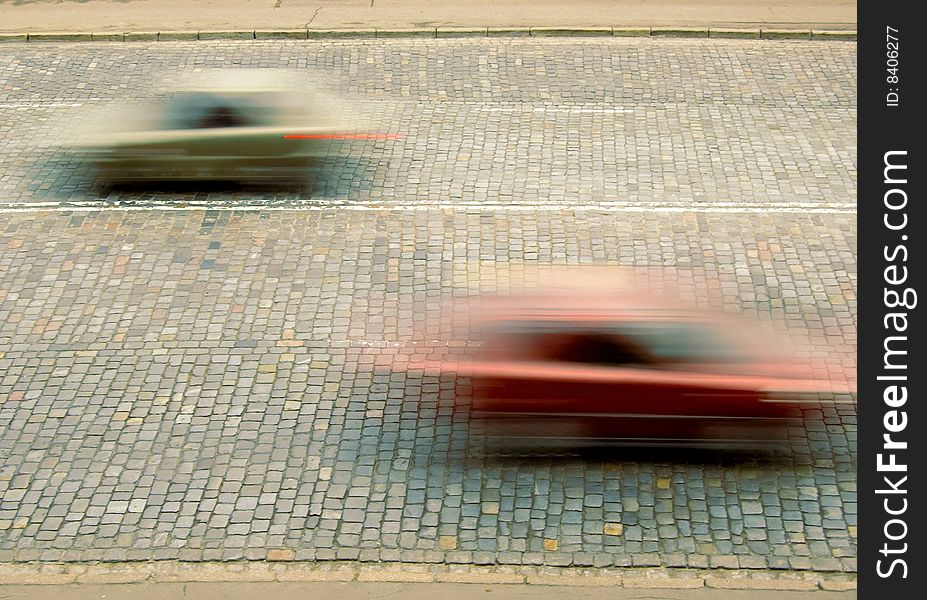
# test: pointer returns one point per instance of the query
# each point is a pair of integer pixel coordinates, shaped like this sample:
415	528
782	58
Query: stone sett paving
201	384
642	121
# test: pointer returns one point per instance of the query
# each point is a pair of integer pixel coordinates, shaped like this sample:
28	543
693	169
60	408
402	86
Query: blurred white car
230	125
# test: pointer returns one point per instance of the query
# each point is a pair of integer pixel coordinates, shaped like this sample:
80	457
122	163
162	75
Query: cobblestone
199	384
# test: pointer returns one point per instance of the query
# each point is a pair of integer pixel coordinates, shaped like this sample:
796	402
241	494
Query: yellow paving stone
613	529
290	343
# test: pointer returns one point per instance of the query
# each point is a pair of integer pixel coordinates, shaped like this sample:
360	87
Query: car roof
570	315
237	81
583	306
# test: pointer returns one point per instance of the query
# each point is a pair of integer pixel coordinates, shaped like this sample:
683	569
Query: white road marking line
27	105
553	109
181	206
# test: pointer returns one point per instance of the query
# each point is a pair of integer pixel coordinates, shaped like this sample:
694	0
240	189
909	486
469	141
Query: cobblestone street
190	373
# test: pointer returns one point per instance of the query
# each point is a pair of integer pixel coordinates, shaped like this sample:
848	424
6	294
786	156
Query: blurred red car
587	374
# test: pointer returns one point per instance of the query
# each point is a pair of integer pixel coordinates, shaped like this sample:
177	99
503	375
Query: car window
682	342
592	348
183	112
642	342
568	342
220	116
207	111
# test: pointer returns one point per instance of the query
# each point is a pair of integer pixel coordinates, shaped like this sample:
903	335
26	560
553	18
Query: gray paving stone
203	376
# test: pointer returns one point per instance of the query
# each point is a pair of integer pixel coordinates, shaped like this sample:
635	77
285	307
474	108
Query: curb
740	33
785	34
461	32
439	32
682	32
283	570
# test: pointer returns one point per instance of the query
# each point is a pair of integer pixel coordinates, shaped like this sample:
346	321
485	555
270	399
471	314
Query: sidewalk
277	573
406	591
112	16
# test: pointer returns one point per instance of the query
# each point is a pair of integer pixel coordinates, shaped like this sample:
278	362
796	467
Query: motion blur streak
581	361
240	125
345	136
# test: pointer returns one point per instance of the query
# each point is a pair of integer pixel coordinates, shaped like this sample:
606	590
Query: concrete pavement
178	15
